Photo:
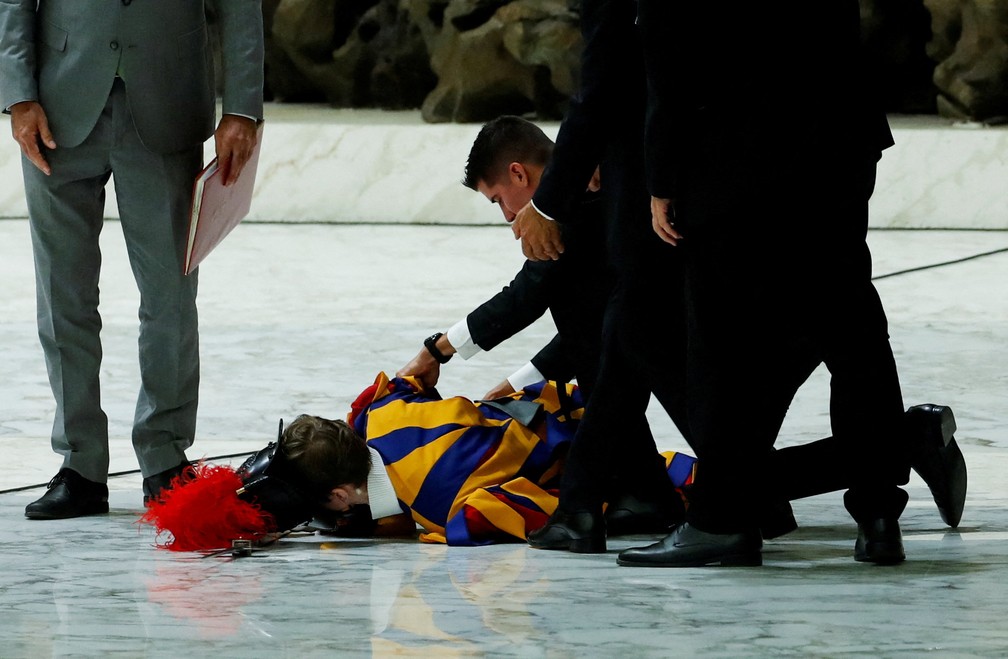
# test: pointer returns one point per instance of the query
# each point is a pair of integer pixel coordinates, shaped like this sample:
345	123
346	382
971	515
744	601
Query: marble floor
300	318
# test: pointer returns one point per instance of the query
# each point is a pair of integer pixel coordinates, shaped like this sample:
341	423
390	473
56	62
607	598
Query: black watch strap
431	344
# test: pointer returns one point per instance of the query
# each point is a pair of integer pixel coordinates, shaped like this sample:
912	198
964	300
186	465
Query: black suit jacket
605	127
605	112
573	288
740	100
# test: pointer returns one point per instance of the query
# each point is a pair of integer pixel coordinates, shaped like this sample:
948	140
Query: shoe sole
948	427
950	503
97	510
733	560
952	513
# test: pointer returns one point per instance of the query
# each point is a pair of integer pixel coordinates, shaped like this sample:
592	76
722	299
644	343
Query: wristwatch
431	344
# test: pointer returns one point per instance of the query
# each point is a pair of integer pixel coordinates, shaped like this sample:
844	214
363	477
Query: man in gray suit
124	87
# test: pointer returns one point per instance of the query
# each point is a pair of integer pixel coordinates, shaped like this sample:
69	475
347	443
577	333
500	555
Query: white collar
381	495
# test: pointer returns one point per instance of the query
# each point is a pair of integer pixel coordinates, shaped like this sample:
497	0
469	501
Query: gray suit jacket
66	54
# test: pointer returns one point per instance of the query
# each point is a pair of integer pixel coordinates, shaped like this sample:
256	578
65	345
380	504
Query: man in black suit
761	149
643	353
506	165
603	127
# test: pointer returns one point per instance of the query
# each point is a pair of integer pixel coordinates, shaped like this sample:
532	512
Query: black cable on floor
939	265
129	471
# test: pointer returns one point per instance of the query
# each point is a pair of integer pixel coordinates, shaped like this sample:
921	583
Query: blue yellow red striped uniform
467	472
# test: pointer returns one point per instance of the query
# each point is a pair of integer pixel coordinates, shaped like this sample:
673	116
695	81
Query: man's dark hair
502	141
326	453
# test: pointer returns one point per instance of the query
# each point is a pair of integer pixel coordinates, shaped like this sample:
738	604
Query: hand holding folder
217	209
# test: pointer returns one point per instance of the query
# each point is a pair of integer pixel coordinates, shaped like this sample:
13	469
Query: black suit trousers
761	296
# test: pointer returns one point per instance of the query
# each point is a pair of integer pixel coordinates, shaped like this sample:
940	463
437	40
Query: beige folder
217	210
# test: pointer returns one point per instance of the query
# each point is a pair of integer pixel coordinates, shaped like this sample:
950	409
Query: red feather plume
201	511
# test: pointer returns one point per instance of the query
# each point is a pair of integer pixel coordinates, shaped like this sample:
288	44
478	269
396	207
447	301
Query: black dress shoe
155	484
688	546
627	515
937	459
879	541
581	532
69	495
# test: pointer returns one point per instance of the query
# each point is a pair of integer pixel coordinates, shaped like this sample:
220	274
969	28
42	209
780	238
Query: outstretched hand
30	128
235	138
424	368
500	391
540	237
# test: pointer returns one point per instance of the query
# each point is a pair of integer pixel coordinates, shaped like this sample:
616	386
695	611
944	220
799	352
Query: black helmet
270	482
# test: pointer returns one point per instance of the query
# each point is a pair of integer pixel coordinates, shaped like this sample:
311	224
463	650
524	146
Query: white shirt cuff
246	116
381	495
526	375
538	210
462	341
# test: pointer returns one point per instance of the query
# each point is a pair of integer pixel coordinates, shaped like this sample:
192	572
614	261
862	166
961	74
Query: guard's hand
30	127
500	391
662	214
539	236
424	368
234	139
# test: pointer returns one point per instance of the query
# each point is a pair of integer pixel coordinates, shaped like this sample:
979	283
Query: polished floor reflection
301	318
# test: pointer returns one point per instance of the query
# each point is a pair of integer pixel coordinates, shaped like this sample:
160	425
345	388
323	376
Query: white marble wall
324	165
942	175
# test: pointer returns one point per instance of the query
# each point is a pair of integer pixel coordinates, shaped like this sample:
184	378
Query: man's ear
340	496
519	174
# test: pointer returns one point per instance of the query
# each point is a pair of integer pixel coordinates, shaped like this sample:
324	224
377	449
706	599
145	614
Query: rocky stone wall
470	60
970	45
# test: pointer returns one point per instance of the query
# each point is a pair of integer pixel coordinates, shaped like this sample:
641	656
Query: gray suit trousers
66	212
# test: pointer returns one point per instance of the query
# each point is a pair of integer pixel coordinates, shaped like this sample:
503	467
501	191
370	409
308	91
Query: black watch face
431	344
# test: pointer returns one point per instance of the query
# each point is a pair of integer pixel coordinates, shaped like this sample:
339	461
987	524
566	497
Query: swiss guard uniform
468	473
474	473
